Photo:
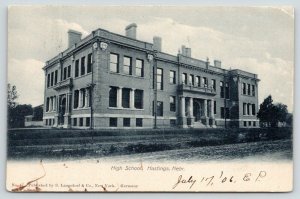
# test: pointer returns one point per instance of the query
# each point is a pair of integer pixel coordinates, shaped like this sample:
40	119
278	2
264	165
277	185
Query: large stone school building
107	80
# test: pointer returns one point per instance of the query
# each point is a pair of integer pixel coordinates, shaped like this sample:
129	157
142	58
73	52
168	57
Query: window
173	103
159	79
244	108
126	122
46	121
139	122
197	81
222	113
213	84
52	76
226	90
77	68
172	77
48	80
160	108
69	71
249	123
113	122
138	99
76	98
74	121
114	63
50	120
125	97
139	68
253	109
127	63
245	123
82	66
47	104
204	81
191	80
113	96
55	77
89	63
65	73
249	91
215	107
87	121
253	90
248	109
89	96
222	89
184	78
254	123
81	121
244	88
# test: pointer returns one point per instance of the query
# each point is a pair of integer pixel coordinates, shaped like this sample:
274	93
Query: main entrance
197	109
62	109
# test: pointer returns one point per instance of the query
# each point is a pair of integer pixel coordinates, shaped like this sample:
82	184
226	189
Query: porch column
190	119
132	98
205	107
182	106
119	97
191	107
67	104
182	119
212	115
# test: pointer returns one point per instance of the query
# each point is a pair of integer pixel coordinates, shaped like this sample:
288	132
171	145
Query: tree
12	95
289	119
16	112
37	113
265	110
280	112
17	115
270	114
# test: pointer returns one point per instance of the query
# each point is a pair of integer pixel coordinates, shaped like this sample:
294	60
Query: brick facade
107	80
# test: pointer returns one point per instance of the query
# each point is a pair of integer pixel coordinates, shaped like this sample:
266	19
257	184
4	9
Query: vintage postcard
150	99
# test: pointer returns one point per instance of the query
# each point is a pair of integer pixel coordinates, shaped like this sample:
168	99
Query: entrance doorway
62	109
197	110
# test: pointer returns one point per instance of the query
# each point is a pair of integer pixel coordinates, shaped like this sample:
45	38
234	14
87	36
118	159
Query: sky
255	39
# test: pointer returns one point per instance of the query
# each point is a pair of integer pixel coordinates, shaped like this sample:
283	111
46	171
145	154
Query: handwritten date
190	181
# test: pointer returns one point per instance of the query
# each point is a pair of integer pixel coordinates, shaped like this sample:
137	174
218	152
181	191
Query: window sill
50	112
126	75
121	108
82	108
83	75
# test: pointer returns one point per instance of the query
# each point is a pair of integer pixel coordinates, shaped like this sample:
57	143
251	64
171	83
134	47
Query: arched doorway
197	110
62	109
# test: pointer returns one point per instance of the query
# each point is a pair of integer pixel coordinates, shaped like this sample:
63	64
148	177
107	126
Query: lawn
71	143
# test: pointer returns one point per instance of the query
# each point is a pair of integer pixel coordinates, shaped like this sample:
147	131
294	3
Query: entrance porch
196	112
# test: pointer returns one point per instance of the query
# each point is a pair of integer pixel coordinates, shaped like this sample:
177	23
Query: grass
70	143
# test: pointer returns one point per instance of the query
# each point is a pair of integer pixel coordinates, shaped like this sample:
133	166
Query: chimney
131	30
74	37
157	43
186	51
217	63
